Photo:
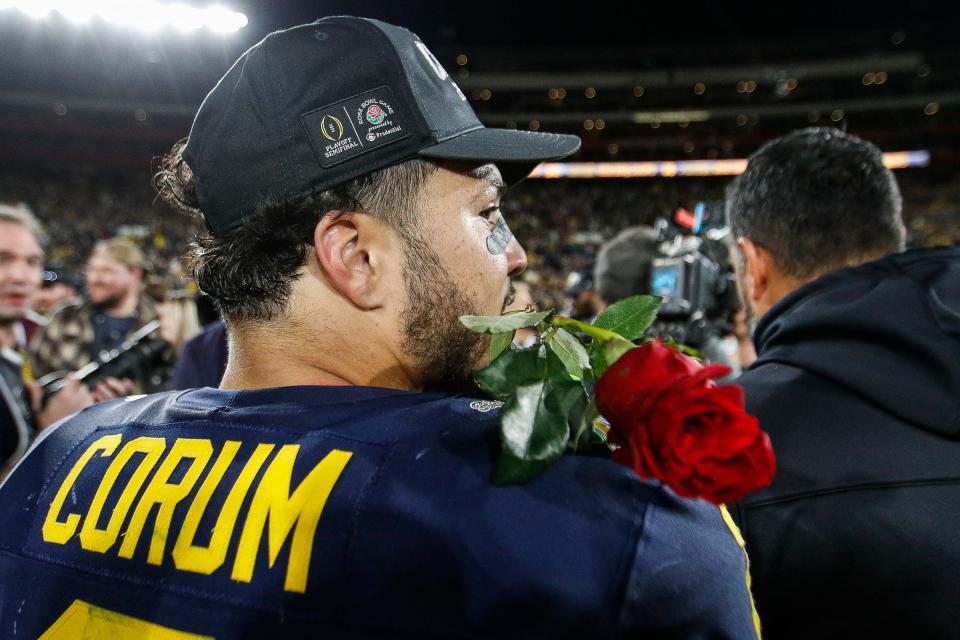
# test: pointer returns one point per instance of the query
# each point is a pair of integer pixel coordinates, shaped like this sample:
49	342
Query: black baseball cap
319	104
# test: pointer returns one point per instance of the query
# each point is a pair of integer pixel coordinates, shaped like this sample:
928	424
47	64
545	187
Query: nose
516	258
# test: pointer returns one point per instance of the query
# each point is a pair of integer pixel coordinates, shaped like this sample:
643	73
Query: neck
125	306
779	286
268	356
8	336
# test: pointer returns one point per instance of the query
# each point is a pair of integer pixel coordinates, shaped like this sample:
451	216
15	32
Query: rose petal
640	373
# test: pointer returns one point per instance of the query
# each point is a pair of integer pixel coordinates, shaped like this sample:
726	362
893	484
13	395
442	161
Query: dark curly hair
249	271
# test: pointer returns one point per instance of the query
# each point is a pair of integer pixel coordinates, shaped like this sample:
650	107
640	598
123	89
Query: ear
344	245
757	267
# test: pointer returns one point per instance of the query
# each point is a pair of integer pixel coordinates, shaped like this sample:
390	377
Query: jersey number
84	621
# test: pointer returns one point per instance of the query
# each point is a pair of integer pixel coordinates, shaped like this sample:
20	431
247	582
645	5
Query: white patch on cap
438	68
432	60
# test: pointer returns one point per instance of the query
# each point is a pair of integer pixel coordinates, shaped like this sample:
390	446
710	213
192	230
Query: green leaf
630	317
615	349
570	351
543	328
598	363
604	354
500	342
684	349
582	425
693	353
505	323
512	369
534	428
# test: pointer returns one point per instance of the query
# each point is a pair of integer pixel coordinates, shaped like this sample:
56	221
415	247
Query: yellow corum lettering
302	508
59	532
99	540
162	492
206	560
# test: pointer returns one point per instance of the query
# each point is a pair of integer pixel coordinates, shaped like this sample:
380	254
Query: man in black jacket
857	384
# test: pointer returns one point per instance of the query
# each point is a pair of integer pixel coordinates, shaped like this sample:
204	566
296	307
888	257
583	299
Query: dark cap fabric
319	104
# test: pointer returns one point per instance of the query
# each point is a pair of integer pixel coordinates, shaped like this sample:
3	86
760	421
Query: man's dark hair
249	271
818	199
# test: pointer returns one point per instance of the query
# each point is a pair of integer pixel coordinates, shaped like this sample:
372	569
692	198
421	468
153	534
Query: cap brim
518	151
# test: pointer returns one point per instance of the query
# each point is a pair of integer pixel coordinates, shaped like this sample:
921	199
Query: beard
446	351
107	301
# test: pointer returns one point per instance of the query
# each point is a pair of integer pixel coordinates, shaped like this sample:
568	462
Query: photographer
856	382
115	308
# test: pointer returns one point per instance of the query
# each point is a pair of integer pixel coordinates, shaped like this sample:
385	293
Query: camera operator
20	275
856	382
633	263
624	263
85	331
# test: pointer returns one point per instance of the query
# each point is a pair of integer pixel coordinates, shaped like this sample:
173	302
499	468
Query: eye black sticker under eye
499	238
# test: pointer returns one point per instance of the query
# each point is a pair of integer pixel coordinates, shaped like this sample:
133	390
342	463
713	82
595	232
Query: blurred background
668	97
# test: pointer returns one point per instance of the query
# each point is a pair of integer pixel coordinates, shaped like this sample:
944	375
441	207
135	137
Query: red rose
672	422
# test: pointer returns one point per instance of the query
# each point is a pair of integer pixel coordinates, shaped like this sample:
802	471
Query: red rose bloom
670	421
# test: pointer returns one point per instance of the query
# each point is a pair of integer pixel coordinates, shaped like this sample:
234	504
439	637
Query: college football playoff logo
331	127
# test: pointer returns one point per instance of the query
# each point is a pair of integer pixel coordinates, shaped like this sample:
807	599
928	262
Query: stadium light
669	117
688	168
146	15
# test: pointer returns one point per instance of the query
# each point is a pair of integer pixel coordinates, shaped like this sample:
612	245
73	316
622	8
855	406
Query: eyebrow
491	179
26	256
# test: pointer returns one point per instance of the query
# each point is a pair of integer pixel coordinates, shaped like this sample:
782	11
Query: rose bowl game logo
375	114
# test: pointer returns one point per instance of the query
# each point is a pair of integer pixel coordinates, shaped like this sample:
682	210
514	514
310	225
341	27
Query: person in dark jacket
857	383
203	359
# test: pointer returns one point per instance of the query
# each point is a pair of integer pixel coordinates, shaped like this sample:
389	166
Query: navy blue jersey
308	512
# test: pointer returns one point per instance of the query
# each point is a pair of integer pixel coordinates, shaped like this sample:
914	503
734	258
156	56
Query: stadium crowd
561	223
